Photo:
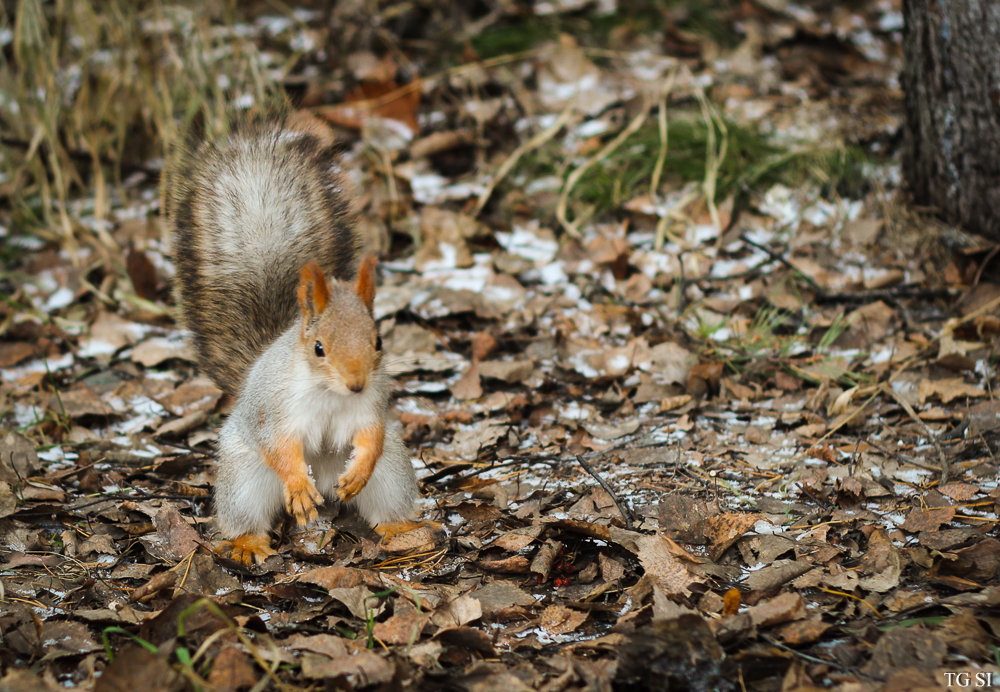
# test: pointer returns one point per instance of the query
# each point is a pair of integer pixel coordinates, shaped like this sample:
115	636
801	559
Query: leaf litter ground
721	429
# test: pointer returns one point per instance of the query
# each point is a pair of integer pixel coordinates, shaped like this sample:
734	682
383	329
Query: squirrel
281	311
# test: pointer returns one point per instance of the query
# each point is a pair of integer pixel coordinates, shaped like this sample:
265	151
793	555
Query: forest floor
699	401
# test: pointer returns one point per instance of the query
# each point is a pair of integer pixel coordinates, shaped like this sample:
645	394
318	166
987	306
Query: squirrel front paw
249	548
351	483
301	498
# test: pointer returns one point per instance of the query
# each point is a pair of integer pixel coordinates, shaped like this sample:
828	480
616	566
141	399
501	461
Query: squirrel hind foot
249	548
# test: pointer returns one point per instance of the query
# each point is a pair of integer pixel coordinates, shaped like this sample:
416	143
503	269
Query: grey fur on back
247	211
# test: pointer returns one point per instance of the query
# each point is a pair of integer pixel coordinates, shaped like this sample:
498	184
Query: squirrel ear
313	291
365	286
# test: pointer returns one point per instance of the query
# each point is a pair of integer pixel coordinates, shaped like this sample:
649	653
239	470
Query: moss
504	39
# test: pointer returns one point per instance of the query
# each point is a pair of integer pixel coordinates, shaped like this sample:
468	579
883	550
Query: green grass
752	161
769	342
646	17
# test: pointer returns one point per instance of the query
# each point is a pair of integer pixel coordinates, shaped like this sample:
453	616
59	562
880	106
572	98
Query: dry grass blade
606	150
714	155
88	84
531	145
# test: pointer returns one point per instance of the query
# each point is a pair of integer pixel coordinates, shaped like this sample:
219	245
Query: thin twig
942	457
626	515
778	257
982	266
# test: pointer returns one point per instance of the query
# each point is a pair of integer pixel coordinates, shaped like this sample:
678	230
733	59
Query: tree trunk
951	81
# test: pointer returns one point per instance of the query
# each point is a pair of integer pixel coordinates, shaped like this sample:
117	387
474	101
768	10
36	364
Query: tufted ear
365	286
314	294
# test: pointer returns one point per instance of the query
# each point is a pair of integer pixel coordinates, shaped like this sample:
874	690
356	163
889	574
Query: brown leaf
417	540
660	562
802	632
685	517
903	647
960	492
471	441
402	628
947	539
460	611
468	638
175	535
866	325
108	334
21	680
704	378
18	458
383	98
232	670
13	352
135	668
358	600
881	565
483	344
8	500
776	574
558	619
512	371
927	519
515	564
725	529
360	668
328	645
670	654
983	417
501	599
978	562
782	608
541	564
79	402
949	388
964	633
469	385
515	540
333	577
159	349
157	583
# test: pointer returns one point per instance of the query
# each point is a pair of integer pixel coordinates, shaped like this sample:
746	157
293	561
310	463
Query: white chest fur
325	420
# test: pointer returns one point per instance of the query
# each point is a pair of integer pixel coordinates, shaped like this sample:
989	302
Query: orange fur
250	547
355	372
367	450
314	293
301	496
365	286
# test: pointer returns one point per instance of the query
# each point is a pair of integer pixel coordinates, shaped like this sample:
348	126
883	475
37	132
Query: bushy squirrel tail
246	212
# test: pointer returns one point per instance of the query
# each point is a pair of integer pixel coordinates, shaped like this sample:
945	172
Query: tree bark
951	82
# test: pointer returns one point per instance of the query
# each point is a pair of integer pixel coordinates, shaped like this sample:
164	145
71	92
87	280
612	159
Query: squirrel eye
378	342
319	350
